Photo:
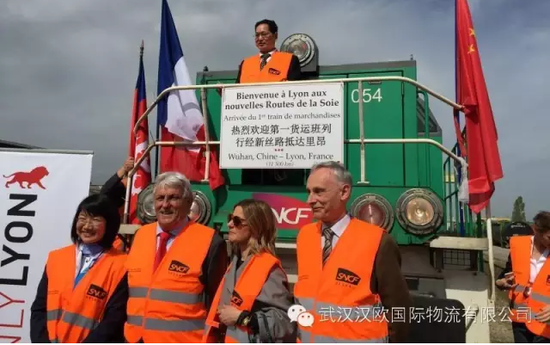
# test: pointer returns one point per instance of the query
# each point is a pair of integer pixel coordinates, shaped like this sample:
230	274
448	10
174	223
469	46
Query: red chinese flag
484	166
139	143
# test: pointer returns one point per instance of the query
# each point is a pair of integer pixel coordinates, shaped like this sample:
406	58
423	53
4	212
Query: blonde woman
253	298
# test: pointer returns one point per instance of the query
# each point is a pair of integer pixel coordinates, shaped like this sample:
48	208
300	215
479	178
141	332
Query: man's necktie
327	248
161	251
264	60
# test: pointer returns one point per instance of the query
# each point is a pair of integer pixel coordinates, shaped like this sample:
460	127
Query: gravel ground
501	331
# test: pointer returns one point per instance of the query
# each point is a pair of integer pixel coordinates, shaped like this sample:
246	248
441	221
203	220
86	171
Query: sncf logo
26	179
96	292
236	299
348	277
290	213
178	267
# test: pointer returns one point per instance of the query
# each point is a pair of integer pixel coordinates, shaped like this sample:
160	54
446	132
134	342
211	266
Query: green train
403	187
404	179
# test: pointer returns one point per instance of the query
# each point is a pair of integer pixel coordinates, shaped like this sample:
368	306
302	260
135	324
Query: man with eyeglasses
270	65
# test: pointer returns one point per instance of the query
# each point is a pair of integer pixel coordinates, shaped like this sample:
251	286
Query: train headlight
373	209
146	205
201	210
419	211
301	45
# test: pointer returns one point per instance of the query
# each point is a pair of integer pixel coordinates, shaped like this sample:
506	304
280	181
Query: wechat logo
298	313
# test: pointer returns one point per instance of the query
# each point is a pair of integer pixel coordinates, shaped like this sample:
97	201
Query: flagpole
490	252
206	129
156	137
457	114
157	155
130	177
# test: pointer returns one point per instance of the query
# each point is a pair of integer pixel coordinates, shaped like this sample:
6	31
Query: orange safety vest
338	295
275	70
167	305
526	300
72	313
247	288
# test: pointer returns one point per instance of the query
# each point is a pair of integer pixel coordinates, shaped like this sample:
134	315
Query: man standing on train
269	65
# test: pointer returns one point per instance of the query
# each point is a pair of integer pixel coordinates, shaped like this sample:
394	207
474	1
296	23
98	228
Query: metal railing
458	214
453	207
362	141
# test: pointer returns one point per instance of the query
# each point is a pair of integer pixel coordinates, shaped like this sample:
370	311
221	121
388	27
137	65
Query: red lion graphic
32	177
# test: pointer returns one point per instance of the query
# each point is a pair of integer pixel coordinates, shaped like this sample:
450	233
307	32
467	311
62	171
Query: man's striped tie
327	248
264	60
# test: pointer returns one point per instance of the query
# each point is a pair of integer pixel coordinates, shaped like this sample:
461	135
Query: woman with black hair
83	292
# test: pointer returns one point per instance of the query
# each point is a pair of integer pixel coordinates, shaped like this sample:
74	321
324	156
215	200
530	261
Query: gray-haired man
174	269
346	265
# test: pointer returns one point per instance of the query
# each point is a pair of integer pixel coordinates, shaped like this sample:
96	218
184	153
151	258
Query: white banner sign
282	126
39	193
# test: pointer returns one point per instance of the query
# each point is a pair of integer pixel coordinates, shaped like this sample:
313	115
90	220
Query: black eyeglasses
262	34
237	221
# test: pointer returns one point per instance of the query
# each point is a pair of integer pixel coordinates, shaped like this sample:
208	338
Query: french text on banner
282	126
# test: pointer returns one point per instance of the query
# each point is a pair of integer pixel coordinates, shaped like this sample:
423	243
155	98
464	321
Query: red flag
190	161
139	142
481	136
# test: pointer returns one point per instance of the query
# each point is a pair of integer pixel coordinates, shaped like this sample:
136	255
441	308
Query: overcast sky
68	67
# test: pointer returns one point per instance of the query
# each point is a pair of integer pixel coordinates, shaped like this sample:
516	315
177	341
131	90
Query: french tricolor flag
179	114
